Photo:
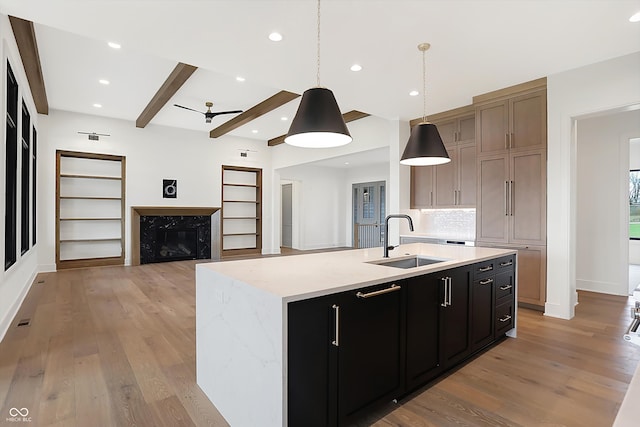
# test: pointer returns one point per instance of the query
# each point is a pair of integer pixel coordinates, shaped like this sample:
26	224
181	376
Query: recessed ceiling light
103	81
414	93
254	131
356	67
284	119
635	17
346	163
275	37
240	79
97	105
114	45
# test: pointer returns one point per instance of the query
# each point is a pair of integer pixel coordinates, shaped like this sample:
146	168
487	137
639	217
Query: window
11	170
26	178
634	204
34	146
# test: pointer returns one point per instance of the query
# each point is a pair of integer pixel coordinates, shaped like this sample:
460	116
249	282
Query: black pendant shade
425	147
318	121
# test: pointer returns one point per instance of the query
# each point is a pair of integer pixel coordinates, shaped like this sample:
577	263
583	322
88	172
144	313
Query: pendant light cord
424	88
318	64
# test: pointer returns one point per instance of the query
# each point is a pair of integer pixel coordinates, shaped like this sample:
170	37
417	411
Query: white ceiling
477	46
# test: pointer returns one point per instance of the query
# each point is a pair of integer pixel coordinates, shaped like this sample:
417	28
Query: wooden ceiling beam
25	36
254	112
348	117
176	79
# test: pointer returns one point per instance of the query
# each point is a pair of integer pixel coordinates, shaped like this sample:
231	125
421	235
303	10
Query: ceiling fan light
318	122
425	147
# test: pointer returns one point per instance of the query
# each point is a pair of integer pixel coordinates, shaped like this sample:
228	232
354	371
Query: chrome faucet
386	231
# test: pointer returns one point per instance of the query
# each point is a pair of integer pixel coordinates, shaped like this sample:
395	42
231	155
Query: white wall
597	87
602	204
152	154
16	281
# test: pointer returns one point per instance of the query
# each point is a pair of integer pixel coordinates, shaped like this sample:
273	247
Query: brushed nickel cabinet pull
487	268
506	263
505	318
512	197
444	281
393	288
506	288
450	299
506	198
486	282
336	315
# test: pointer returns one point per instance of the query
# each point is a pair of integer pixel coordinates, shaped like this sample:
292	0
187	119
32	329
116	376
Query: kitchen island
261	362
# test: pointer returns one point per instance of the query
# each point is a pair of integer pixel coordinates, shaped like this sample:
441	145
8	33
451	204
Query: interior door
368	214
287	216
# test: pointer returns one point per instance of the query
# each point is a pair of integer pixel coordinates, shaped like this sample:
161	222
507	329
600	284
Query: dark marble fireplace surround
162	234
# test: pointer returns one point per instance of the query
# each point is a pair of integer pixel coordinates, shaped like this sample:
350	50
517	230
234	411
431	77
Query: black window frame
630	198
25	179
11	170
34	163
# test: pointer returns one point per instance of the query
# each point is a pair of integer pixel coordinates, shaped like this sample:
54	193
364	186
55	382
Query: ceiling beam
25	36
176	79
348	117
254	112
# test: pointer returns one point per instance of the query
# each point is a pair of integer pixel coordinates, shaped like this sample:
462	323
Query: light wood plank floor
115	346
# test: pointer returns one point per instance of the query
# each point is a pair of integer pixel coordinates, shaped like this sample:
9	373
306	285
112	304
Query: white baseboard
602	287
5	322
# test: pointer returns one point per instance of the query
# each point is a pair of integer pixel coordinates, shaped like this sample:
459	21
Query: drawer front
506	263
504	318
505	287
484	268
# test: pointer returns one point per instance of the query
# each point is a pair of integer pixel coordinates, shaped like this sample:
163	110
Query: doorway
286	225
369	210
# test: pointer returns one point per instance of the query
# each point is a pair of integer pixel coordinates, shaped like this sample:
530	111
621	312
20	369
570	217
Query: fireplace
173	234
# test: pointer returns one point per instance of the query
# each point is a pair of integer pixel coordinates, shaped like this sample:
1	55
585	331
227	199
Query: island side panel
239	349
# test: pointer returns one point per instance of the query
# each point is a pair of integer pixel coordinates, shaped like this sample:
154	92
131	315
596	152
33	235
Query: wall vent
24	322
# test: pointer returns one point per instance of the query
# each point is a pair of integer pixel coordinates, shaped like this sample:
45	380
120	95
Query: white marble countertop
298	277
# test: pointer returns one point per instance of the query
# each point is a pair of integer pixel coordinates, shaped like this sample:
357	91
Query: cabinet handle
487	268
512	197
506	198
505	318
506	288
450	299
393	288
430	198
506	141
506	263
446	294
511	140
486	282
336	315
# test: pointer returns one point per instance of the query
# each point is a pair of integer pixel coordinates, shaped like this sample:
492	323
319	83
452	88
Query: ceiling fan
208	115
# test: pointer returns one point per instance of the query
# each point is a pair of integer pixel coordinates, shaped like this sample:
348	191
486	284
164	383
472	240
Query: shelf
90	219
64	175
241	217
240	185
89	198
106	239
241	201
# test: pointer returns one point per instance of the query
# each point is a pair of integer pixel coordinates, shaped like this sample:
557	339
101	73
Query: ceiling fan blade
187	108
217	113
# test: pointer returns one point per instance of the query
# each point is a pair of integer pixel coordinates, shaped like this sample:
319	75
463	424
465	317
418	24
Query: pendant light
425	147
318	122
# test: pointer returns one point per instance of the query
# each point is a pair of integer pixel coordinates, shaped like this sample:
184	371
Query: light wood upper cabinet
452	185
515	123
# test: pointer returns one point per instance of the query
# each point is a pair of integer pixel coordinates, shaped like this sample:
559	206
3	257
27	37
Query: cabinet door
445	181
454	319
528	208
312	362
467	176
482	307
447	131
424	295
532	272
528	121
492	127
421	187
467	129
371	348
492	220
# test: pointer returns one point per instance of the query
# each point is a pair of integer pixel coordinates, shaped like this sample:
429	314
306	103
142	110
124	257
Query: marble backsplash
457	224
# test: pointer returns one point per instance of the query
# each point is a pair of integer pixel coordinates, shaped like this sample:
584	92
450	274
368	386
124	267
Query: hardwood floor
115	346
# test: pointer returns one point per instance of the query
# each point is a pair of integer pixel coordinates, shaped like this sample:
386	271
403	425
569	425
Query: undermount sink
412	262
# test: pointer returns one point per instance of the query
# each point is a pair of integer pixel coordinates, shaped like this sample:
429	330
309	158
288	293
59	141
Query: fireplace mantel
138	211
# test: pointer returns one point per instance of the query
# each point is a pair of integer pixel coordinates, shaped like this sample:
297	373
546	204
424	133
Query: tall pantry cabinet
511	139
